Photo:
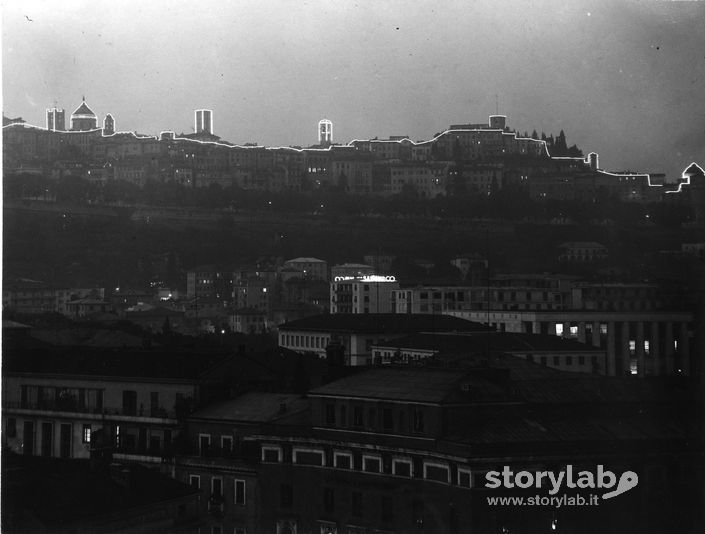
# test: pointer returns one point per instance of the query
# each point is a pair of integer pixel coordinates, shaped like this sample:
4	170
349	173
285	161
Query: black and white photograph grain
353	267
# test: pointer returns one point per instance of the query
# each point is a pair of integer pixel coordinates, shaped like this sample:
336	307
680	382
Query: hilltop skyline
615	78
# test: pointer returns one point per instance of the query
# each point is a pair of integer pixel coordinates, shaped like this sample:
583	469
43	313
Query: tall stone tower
56	119
204	121
108	125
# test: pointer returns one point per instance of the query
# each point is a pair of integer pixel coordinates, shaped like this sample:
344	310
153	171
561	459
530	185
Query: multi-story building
212	459
362	294
351	269
410	450
208	281
310	268
442	348
641	343
56	401
355	334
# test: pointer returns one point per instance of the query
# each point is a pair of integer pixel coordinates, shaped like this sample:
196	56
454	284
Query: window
371	417
330	414
387	422
86	433
342	460
129	402
286	495
356	498
216	487
239	491
372	464
240	530
309	457
226	443
436	471
581	360
204	443
343	416
357	416
556	360
154	403
194	481
559	329
271	454
216	529
464	478
402	467
329	499
11	427
569	360
418	421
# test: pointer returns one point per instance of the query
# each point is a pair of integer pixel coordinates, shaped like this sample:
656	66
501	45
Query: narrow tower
325	132
204	121
56	119
108	125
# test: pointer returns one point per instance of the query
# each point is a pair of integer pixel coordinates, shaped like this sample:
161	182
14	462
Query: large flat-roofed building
357	333
640	343
477	348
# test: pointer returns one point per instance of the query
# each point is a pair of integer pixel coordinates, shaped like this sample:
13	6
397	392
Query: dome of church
83	111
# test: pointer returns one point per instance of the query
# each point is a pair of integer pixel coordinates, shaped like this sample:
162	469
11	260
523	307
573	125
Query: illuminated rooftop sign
368	278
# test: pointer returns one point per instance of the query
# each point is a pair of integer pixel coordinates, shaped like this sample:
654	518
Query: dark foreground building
392	450
50	495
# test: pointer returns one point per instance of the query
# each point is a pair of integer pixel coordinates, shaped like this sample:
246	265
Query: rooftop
83	109
412	385
254	408
59	493
494	341
384	323
144	364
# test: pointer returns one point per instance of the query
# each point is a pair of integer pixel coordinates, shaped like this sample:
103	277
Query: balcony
157	415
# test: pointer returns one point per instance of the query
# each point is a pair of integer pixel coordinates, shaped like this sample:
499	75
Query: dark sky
625	79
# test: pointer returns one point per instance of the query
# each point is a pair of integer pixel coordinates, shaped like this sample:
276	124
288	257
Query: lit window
647	347
634	367
86	433
632	346
559	329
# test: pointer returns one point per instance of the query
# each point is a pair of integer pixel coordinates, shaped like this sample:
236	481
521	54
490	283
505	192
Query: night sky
624	79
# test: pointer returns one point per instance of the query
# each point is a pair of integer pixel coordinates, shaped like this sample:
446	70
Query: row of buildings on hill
481	158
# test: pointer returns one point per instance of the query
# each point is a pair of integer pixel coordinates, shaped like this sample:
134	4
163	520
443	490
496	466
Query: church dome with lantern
83	118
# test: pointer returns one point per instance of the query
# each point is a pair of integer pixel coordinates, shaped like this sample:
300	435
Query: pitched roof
490	342
124	363
254	408
83	109
383	323
411	385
